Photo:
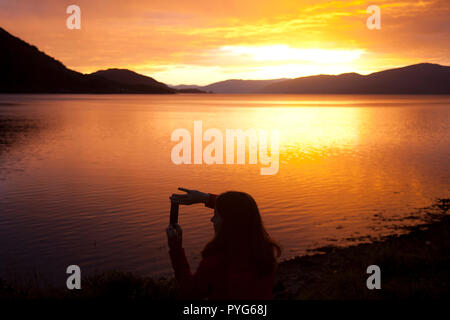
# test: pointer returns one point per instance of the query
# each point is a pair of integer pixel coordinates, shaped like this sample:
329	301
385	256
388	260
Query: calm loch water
86	179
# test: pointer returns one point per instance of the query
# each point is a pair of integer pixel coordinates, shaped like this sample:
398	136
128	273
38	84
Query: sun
281	52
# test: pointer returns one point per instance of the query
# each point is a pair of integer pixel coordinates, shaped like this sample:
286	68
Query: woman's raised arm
193	196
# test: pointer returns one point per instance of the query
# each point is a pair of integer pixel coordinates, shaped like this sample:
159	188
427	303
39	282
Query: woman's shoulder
213	260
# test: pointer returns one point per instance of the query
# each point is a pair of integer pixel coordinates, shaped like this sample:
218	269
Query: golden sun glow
282	52
311	130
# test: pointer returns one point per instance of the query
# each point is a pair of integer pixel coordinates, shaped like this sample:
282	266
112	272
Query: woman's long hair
242	235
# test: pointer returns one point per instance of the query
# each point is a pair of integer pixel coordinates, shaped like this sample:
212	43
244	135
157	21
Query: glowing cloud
285	53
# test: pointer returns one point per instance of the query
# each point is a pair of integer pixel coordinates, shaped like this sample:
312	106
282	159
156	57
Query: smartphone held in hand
173	213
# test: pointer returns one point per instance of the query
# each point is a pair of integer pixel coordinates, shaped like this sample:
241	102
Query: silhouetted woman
239	262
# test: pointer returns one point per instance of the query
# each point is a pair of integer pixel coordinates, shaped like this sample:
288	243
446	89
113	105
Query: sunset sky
200	42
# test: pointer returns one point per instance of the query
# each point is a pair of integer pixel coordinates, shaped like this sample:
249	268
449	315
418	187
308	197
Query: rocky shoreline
413	265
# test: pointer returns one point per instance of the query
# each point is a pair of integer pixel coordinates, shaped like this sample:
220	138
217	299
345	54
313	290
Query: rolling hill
25	69
423	78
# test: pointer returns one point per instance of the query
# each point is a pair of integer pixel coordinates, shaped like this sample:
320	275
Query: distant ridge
191	90
423	78
25	69
232	86
186	86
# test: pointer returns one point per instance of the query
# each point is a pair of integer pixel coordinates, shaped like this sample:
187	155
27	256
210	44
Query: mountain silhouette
129	77
25	69
423	78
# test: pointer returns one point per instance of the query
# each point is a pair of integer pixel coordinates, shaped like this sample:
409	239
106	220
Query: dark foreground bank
413	265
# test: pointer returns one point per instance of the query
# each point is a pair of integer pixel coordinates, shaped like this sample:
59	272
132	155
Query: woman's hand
192	196
174	236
